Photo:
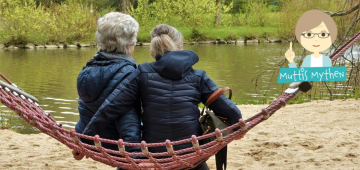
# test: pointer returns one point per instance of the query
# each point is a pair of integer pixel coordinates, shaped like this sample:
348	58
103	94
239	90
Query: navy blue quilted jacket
170	91
95	83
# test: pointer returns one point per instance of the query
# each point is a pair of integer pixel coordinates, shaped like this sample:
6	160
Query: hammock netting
27	107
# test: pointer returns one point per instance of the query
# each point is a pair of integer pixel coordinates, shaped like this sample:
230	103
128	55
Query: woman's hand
290	55
78	156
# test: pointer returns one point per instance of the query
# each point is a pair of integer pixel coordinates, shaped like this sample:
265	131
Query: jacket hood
175	64
98	74
102	55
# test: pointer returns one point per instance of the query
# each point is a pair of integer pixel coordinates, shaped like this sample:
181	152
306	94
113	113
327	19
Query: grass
9	120
4	120
213	33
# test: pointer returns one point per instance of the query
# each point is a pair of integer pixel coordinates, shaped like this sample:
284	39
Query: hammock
27	107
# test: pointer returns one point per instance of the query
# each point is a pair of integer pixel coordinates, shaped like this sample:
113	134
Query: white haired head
116	32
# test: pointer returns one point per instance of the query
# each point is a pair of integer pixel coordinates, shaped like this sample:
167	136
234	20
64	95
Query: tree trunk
218	16
122	6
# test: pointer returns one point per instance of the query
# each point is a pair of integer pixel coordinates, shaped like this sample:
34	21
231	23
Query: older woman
170	91
116	36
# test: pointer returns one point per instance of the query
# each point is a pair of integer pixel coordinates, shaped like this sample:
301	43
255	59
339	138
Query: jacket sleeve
327	61
128	127
120	102
222	106
307	61
292	65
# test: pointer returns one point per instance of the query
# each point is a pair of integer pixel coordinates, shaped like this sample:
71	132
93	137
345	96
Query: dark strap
215	95
220	158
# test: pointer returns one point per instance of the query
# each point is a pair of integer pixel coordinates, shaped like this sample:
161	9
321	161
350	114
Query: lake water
50	74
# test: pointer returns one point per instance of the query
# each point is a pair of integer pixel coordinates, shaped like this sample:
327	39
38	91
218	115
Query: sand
315	135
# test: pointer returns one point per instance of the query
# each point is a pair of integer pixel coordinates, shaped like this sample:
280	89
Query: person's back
170	94
95	83
116	36
170	91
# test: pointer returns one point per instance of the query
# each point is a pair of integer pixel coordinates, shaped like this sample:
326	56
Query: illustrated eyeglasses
320	35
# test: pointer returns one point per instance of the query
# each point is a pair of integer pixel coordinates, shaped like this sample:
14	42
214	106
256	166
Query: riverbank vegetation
68	21
25	21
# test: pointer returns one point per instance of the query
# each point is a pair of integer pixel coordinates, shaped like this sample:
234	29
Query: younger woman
170	91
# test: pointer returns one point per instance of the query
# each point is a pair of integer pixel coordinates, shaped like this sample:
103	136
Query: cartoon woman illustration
315	31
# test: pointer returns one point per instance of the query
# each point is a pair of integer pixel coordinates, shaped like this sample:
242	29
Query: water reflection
50	75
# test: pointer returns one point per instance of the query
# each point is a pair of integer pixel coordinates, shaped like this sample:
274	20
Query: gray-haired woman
116	36
170	91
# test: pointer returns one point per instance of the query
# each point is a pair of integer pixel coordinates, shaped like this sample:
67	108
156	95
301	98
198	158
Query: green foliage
302	98
189	13
292	10
73	21
232	37
257	13
196	35
194	12
4	119
102	5
48	3
356	92
27	22
9	120
22	22
145	13
105	9
43	21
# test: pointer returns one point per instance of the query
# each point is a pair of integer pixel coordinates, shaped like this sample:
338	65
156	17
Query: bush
74	21
196	35
292	10
23	22
189	13
20	23
257	13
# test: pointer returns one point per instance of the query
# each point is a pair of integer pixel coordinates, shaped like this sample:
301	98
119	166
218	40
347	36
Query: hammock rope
27	107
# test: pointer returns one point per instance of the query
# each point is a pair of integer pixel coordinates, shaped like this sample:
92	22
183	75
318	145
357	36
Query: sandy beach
316	135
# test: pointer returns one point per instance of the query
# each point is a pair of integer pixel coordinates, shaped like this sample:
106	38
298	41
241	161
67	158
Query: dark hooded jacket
95	83
170	91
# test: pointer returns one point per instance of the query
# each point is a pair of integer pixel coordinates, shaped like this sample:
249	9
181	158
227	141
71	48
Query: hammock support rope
27	107
185	158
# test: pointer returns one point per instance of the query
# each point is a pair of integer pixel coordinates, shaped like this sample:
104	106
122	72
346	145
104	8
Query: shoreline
315	135
93	44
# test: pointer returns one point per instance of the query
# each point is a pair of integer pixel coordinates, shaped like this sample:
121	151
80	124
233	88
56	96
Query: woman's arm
120	102
222	106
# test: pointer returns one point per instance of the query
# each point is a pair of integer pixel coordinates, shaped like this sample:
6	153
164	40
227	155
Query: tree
122	6
125	5
218	15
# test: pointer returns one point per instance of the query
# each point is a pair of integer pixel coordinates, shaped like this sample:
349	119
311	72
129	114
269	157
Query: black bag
209	122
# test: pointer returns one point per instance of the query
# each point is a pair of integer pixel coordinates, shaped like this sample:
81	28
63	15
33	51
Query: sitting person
116	37
170	91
